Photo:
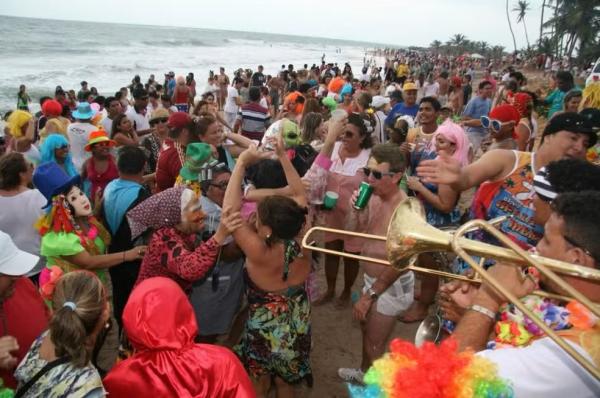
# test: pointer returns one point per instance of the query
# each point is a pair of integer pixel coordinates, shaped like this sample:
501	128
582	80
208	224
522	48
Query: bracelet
482	310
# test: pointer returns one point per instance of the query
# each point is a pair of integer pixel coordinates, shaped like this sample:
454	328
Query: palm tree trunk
542	23
526	35
510	27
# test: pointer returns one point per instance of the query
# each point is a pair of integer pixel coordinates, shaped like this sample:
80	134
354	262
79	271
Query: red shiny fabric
161	325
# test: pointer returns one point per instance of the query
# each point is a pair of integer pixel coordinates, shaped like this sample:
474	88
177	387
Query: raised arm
293	178
85	260
492	166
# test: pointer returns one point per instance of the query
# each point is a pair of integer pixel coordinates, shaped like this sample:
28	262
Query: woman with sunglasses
55	148
349	156
152	143
60	362
439	200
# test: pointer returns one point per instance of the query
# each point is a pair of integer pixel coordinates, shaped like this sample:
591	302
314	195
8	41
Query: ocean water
45	53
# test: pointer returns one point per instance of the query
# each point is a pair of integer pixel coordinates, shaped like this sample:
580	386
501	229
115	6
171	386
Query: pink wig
456	135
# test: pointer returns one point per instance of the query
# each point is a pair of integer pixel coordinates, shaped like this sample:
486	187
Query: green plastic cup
330	200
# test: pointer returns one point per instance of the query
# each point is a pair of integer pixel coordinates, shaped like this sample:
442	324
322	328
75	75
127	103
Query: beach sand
337	343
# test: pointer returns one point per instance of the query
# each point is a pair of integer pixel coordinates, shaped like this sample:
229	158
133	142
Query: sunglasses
486	122
348	134
159	120
222	185
376	174
63	147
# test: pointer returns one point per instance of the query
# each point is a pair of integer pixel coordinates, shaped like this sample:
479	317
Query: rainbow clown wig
431	371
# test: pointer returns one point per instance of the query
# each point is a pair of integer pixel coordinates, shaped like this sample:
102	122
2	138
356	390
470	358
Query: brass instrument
408	235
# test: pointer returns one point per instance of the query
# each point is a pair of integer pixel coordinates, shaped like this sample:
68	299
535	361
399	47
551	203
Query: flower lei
516	329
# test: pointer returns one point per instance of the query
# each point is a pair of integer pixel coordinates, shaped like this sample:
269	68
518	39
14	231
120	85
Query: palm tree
510	27
542	22
435	45
521	8
458	40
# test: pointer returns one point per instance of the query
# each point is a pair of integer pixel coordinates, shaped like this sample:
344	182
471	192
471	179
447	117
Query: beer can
364	194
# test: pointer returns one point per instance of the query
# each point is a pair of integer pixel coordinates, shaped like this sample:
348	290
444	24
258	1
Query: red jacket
167	168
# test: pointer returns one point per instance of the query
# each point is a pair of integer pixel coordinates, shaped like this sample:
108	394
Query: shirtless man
386	292
223	81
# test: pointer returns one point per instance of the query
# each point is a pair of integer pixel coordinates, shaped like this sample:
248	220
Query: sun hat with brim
84	111
159	114
196	155
13	261
50	179
97	137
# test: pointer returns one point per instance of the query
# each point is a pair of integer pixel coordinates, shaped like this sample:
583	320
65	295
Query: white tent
477	56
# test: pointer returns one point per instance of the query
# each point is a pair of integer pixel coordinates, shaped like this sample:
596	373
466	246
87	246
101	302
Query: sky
397	22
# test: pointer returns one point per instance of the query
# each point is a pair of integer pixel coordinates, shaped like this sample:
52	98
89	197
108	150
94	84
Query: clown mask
192	216
79	202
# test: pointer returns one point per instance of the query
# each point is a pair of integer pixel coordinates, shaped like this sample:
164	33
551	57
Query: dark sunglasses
159	120
348	134
222	185
376	174
63	147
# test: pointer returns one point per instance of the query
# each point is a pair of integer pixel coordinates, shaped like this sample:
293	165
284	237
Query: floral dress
277	336
65	380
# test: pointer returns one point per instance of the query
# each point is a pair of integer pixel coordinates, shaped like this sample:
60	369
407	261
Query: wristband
482	310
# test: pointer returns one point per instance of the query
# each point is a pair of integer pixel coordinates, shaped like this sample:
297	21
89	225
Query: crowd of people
150	244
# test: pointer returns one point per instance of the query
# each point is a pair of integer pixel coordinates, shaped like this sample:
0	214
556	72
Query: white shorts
397	298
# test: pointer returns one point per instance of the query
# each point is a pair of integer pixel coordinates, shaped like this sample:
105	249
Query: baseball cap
573	122
13	261
179	120
379	101
542	186
409	86
591	118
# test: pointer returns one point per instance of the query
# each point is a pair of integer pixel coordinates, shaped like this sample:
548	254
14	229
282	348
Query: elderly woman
160	324
174	217
56	149
21	206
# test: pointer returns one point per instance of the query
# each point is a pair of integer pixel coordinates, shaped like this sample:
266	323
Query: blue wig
50	144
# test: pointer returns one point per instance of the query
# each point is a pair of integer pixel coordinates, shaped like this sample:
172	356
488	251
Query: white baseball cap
13	261
379	101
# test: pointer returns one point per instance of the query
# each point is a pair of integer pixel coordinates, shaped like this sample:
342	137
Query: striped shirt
255	119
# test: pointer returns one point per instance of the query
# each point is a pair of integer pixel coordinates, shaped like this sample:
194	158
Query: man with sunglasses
138	113
217	298
505	178
387	293
501	124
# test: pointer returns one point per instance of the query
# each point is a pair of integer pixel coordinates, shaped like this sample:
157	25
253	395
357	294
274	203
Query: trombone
408	235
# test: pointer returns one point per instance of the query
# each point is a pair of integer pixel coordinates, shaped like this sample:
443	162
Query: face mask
80	202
